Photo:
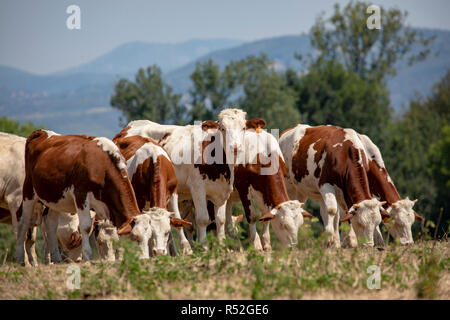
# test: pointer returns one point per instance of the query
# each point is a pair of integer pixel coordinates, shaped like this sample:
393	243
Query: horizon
41	43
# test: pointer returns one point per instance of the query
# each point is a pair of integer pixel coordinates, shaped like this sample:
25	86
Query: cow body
75	173
200	176
153	179
328	164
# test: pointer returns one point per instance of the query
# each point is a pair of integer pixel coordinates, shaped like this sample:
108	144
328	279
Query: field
310	271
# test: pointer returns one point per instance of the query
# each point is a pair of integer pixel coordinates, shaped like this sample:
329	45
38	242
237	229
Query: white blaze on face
366	218
403	214
232	124
110	147
160	226
288	219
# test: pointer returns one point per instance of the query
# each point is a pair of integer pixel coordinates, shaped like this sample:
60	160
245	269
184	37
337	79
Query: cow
382	186
12	176
328	164
154	182
259	176
200	155
74	173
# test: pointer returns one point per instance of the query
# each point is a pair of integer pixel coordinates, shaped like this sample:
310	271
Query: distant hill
77	100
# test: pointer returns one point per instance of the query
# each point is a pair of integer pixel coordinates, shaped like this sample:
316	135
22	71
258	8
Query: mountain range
77	99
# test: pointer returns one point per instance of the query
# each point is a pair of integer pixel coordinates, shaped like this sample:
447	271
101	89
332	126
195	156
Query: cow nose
158	252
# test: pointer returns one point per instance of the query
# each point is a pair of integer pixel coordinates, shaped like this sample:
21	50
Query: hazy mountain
77	100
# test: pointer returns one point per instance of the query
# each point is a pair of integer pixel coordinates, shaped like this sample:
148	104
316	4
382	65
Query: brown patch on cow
255	124
272	187
5	216
209	124
214	170
154	182
341	165
54	165
380	184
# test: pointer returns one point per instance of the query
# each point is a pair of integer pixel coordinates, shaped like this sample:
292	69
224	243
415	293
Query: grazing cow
12	175
261	178
154	182
382	186
328	164
74	173
200	158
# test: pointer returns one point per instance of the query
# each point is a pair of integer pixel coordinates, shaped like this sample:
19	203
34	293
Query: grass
309	271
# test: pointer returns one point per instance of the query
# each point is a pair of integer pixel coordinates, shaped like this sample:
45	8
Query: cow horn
356	206
415	200
382	203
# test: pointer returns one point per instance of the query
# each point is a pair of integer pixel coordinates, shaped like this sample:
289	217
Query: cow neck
381	184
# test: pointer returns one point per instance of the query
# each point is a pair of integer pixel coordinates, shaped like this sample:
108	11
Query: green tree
409	157
264	92
330	94
210	90
15	127
371	54
148	97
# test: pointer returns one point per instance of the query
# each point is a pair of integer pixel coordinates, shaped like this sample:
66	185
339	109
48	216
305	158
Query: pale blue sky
34	37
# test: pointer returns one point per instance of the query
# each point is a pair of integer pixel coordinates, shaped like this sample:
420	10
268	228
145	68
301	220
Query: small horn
382	203
415	200
356	206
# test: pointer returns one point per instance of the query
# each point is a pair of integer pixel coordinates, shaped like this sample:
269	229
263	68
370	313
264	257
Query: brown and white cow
12	175
199	155
74	173
155	184
328	164
382	186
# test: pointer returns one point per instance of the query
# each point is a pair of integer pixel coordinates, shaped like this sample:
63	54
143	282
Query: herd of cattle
152	177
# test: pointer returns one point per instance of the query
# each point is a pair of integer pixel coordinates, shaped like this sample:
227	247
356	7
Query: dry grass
418	271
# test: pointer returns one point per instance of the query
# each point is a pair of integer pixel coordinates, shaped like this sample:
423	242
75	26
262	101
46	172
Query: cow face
286	220
138	229
403	217
105	235
232	125
366	217
160	222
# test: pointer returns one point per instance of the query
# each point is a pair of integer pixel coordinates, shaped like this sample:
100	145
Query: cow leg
265	236
228	218
352	239
30	246
84	216
173	206
220	213
201	213
378	237
254	237
171	248
328	223
22	229
50	229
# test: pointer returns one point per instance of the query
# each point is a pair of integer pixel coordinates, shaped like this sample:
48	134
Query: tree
15	127
210	91
371	54
148	97
330	94
265	92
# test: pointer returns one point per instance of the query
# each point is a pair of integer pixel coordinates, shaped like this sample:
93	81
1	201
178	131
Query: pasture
309	271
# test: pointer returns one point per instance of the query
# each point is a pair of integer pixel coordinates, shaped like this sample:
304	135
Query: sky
34	36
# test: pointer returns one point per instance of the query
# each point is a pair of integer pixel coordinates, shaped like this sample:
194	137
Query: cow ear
347	217
267	217
178	223
125	229
306	214
418	218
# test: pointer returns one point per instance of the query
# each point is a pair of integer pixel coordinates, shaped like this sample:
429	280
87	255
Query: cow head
232	125
105	235
138	229
286	219
366	217
403	217
160	222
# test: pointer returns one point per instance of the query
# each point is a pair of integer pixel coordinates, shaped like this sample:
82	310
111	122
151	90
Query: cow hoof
186	248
